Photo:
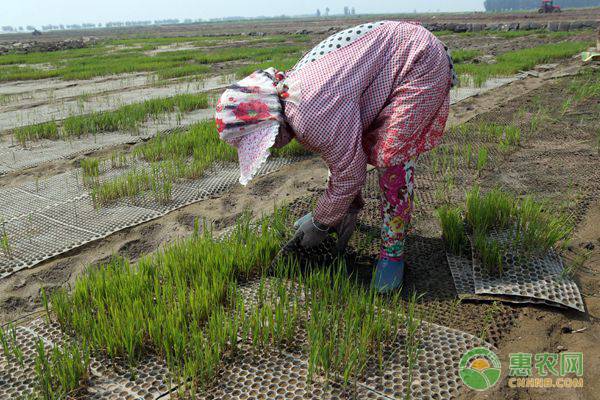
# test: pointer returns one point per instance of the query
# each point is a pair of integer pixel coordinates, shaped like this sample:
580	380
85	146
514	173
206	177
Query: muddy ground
560	164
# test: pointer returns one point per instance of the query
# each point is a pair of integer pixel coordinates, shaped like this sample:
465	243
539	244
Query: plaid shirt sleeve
343	153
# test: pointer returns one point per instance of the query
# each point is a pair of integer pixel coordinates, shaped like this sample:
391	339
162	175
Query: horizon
72	12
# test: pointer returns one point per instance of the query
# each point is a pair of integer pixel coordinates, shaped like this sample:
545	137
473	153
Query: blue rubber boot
388	275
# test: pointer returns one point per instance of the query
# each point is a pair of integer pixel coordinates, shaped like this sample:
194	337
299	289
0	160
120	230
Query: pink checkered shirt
382	100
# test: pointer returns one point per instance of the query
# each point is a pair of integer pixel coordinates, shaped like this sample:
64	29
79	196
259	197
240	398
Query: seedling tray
536	280
54	215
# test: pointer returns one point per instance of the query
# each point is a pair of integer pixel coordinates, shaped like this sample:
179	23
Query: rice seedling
453	228
490	253
566	104
5	241
347	323
282	64
129	117
538	229
488	319
532	230
10	345
91	170
482	159
132	184
464	55
173	304
183	70
180	155
61	372
118	160
468	154
496	209
512	62
585	86
46	130
511	135
575	264
292	149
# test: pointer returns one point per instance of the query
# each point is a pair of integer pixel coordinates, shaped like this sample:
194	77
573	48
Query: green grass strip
511	62
125	118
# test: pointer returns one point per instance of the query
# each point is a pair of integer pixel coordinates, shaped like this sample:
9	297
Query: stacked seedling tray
500	262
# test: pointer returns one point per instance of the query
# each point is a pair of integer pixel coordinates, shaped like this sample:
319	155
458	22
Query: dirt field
557	161
313	24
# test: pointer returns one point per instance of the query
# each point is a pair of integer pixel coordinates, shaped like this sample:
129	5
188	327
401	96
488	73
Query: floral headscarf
248	116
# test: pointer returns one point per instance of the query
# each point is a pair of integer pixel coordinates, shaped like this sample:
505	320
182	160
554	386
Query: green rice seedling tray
15	158
435	375
106	381
51	216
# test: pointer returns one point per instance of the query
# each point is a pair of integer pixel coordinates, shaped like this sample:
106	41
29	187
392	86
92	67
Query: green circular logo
479	368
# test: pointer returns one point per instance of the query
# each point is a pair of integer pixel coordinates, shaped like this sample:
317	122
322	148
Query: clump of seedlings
176	304
10	346
61	372
183	306
5	241
46	130
185	154
91	170
453	228
498	222
482	159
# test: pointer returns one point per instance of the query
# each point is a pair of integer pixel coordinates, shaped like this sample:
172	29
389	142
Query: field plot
133	266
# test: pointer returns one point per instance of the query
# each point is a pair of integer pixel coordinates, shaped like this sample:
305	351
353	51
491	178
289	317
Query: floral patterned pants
397	188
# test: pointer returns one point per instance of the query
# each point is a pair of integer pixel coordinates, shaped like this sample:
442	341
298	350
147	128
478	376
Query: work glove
345	229
311	233
302	220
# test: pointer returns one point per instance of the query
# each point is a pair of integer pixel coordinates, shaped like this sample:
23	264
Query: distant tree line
508	5
120	24
111	24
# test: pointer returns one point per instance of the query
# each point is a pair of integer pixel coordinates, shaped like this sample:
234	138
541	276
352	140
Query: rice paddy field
133	266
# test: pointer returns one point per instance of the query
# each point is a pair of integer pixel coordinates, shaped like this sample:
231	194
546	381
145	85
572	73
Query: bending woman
377	93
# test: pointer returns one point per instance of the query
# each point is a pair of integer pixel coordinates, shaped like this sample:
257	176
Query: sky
41	12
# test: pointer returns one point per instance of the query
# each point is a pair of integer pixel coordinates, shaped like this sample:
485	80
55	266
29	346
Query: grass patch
125	118
511	62
464	55
103	60
131	116
46	130
181	155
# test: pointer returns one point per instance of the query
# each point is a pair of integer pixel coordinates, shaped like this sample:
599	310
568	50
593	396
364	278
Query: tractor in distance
547	6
